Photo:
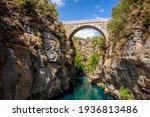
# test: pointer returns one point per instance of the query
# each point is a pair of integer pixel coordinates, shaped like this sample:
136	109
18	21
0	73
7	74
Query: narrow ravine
45	52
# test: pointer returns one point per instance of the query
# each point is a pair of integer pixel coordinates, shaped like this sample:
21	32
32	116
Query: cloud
95	16
102	10
86	33
59	3
98	6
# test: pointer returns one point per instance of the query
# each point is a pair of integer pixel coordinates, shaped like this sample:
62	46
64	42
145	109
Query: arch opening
84	27
87	50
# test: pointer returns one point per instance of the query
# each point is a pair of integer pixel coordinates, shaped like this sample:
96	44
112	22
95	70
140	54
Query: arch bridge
100	25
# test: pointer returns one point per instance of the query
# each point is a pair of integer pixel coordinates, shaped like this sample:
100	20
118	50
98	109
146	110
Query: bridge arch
100	25
75	30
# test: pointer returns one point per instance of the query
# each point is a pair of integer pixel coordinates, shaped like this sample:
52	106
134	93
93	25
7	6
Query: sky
87	32
84	9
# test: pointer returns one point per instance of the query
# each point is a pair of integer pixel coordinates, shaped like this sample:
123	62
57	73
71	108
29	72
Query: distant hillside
87	53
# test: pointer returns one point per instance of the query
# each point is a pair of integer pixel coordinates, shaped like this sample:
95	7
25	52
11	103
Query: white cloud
102	10
59	3
86	33
95	16
98	6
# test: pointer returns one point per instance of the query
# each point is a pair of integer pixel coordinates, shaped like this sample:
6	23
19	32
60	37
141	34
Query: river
83	90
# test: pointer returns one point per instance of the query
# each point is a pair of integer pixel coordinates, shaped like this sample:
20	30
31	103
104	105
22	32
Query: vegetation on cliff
88	52
31	13
43	6
100	42
124	15
79	63
125	93
92	62
36	11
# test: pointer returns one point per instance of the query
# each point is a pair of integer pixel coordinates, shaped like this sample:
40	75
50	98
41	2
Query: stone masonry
100	25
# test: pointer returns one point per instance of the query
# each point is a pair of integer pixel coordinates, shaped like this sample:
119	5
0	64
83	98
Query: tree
92	62
79	64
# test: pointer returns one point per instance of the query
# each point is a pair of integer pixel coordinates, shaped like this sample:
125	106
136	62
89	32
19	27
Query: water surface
83	90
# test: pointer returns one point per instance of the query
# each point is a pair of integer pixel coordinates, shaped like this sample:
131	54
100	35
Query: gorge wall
35	55
126	62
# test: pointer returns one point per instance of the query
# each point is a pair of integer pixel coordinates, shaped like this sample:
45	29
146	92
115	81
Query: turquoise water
83	90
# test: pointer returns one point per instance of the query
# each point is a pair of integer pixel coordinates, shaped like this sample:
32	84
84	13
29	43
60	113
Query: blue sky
84	9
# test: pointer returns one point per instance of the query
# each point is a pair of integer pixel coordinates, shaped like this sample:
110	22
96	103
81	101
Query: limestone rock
33	62
126	63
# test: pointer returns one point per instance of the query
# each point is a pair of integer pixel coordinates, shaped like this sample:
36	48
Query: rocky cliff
126	63
35	55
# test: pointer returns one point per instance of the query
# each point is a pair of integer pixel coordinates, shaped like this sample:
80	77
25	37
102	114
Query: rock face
127	63
35	55
132	68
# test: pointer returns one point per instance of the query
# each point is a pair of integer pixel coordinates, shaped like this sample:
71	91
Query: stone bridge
100	25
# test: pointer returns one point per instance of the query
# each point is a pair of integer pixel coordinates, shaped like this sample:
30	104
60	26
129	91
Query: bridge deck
86	21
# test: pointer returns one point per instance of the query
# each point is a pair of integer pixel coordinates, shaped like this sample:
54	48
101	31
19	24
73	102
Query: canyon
37	56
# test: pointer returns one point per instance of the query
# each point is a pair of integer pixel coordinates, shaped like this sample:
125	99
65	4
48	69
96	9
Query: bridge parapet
100	20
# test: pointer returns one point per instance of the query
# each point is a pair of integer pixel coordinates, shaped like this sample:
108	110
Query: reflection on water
83	90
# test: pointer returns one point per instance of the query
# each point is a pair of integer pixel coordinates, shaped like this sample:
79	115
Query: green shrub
92	62
119	17
79	63
125	93
146	11
123	15
43	6
100	41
